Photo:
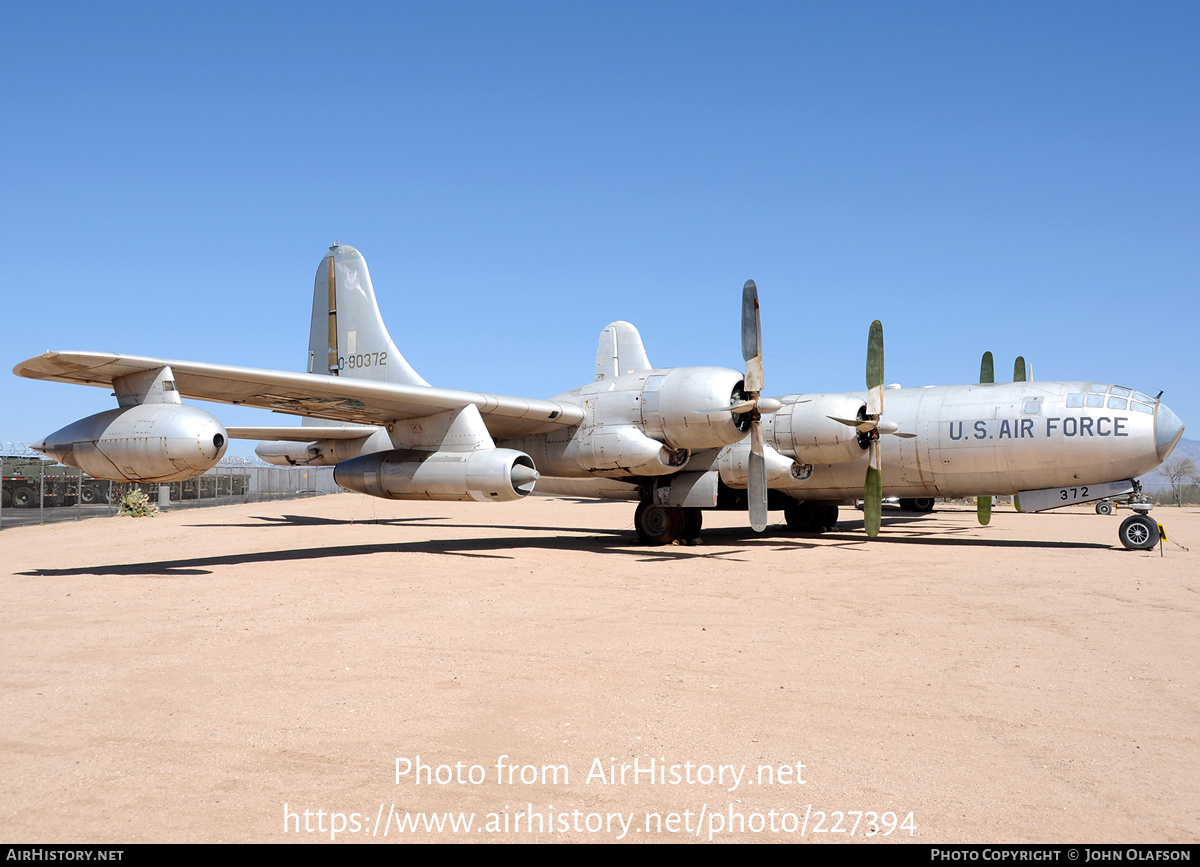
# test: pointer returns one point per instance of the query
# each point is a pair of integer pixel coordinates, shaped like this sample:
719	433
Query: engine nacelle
487	475
734	466
152	442
806	431
621	451
322	452
670	400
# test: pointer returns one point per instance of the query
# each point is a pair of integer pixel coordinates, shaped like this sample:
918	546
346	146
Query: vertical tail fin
620	351
348	337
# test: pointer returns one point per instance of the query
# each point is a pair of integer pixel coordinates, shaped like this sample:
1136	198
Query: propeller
871	425
756	483
987	374
753	406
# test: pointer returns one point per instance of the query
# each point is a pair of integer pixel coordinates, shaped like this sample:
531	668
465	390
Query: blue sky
1019	177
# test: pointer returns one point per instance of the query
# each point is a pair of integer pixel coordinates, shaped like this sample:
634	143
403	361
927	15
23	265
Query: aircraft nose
1167	430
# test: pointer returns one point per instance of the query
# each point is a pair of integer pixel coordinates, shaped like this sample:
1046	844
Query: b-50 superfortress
676	440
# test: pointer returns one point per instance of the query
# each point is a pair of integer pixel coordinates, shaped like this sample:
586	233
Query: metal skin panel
154	442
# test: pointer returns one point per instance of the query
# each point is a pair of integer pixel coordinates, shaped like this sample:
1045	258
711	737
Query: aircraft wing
306	394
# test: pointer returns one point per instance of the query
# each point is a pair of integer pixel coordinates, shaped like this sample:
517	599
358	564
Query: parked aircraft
676	440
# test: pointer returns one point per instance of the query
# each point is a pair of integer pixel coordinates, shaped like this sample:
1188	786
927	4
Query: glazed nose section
1167	430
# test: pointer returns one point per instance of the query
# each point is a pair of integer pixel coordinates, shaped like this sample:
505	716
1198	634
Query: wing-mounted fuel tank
485	475
151	437
152	442
804	428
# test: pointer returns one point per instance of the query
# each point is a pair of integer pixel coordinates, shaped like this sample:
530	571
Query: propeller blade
751	339
864	425
875	369
873	498
756	491
740	408
1019	369
987	370
983	508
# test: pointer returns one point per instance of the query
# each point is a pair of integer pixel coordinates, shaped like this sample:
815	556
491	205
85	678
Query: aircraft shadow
725	543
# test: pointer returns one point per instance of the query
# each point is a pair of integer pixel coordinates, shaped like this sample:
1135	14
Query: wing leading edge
334	398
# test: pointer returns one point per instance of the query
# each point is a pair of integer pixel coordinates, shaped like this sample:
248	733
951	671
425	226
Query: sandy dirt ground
251	672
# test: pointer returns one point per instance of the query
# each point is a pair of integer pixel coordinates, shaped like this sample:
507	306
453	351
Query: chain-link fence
35	491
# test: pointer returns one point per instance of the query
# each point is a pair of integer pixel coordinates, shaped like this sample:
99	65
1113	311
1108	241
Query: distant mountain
1156	481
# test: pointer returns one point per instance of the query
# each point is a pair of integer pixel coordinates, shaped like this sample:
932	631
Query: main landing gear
662	525
810	516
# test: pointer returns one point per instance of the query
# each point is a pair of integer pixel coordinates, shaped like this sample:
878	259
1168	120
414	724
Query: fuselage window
1034	405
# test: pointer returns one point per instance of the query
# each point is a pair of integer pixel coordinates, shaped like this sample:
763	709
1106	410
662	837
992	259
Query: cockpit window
1074	400
1120	392
1095	400
1098	388
1117	403
1141	407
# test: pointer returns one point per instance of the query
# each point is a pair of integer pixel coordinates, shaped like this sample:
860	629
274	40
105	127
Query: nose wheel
1138	533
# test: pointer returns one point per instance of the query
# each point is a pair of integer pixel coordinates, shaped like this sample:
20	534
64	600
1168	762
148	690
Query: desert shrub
136	504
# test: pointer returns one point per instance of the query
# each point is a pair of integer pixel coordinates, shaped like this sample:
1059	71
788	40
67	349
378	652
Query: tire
1103	508
1138	533
810	516
658	525
23	497
693	520
922	504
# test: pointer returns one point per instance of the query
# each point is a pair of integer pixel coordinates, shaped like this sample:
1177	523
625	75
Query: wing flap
335	398
297	434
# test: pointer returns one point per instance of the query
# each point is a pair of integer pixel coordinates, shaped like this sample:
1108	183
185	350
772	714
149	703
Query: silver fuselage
969	440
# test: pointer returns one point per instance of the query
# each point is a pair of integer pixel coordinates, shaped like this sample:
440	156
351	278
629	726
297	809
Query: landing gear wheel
1138	533
1104	508
810	516
922	504
692	521
658	525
